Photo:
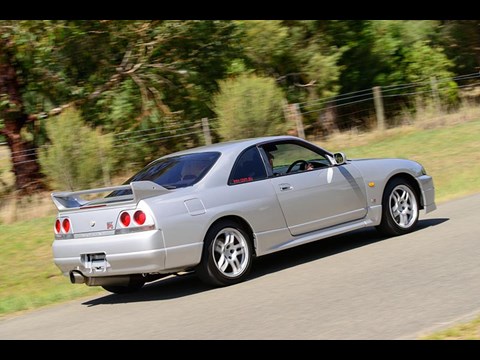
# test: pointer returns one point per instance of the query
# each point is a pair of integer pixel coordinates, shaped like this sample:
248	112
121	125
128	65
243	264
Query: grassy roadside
451	154
466	331
28	277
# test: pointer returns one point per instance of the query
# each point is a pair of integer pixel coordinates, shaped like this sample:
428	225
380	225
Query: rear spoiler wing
140	190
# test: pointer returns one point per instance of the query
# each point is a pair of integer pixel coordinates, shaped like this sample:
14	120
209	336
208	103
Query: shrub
249	106
78	157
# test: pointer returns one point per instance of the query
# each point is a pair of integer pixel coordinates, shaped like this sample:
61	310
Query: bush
78	156
249	106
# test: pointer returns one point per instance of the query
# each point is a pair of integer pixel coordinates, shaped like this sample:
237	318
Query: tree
296	54
249	106
388	53
424	62
302	59
40	76
460	38
48	66
14	118
395	43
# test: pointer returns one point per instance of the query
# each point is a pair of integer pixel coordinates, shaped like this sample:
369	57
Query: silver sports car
213	209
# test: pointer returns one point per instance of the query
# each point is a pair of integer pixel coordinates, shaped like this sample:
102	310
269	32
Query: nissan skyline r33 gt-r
213	209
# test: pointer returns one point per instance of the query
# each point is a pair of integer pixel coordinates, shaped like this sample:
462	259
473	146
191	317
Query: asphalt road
356	286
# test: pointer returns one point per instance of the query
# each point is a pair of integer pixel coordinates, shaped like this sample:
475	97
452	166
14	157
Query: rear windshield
174	172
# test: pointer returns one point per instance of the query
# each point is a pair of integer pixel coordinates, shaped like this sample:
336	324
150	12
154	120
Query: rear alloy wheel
399	208
227	254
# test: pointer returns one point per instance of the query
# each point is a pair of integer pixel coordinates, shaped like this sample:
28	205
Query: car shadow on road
178	286
170	287
423	224
326	247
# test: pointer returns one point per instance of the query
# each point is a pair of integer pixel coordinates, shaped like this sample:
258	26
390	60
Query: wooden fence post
436	98
377	98
298	120
206	131
292	113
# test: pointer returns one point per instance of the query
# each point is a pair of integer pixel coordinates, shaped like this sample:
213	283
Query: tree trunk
28	178
25	167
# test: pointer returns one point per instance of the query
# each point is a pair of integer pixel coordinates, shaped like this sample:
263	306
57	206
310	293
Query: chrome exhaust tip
76	277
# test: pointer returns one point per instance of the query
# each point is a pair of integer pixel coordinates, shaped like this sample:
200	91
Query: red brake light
58	226
139	217
125	219
66	225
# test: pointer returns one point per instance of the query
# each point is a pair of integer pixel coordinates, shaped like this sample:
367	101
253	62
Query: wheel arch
410	179
243	223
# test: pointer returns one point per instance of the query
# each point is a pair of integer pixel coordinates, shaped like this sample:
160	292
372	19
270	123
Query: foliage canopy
128	76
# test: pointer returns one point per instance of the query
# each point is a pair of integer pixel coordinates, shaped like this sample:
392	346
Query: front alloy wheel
403	206
400	208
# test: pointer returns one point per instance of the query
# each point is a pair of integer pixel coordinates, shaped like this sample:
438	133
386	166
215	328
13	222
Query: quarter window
248	167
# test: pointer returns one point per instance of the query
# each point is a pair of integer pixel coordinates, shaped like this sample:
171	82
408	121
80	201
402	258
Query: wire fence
399	102
344	111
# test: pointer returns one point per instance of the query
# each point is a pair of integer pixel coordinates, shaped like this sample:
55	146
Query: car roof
234	145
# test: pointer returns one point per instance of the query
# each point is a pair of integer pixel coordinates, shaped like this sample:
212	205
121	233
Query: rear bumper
125	254
428	193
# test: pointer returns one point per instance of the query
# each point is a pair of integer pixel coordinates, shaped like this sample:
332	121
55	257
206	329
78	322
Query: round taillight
139	217
125	218
58	226
66	225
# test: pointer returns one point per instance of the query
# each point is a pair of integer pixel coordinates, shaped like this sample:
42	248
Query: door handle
285	187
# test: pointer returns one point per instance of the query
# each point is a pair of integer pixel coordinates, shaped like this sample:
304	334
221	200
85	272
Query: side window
290	157
248	167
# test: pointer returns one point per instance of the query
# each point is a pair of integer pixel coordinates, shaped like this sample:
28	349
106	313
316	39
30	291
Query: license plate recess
95	262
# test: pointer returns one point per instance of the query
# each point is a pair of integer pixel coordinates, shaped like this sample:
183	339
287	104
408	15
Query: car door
251	193
316	199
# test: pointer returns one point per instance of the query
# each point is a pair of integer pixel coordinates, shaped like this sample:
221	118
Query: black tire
400	208
227	254
133	286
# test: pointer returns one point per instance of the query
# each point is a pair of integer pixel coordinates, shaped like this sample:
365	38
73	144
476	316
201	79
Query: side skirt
277	240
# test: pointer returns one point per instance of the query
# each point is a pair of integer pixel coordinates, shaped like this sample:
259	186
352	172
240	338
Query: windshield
174	172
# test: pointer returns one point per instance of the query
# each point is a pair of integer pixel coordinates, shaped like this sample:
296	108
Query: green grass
28	276
451	154
467	331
